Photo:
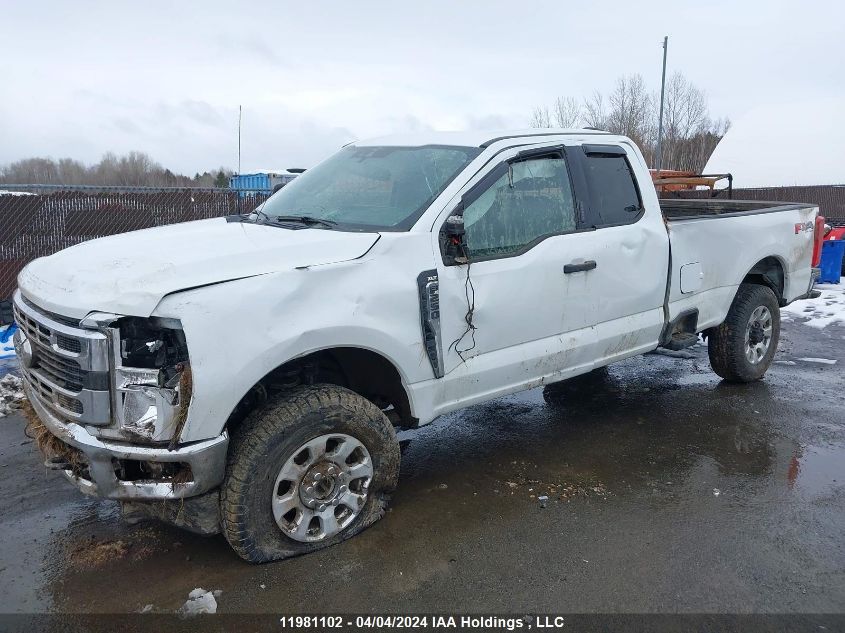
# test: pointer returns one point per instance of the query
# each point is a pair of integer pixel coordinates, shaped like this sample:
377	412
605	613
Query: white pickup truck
246	374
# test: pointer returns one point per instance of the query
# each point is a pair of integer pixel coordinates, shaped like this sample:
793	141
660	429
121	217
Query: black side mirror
453	240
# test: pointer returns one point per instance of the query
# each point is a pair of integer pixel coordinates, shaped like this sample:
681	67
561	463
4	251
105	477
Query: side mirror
453	240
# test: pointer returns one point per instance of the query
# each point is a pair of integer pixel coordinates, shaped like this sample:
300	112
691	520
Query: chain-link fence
38	220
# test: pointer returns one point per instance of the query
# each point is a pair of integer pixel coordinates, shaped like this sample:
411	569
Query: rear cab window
614	198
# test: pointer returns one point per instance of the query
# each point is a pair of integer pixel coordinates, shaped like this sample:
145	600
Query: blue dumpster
831	264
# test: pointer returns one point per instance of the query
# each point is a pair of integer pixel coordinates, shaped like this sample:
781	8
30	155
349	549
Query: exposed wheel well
365	372
768	272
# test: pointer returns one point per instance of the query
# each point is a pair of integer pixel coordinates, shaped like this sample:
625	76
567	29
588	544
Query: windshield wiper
259	212
302	219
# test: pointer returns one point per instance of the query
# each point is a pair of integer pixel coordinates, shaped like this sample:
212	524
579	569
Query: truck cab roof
472	138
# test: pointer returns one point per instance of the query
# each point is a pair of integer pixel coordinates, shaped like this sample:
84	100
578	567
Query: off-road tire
266	439
726	343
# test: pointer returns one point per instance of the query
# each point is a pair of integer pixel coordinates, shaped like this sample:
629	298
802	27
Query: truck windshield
370	188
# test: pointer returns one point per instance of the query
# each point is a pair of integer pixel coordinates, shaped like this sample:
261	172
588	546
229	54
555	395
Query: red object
818	238
837	233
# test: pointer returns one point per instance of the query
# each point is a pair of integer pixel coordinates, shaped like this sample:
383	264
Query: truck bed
714	257
679	209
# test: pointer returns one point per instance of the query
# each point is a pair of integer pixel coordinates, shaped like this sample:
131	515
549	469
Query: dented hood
130	273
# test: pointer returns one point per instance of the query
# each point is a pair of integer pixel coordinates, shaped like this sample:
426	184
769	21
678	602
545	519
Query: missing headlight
148	344
152	379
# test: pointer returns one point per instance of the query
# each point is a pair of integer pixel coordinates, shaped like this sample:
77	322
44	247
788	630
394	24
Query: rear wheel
308	470
741	349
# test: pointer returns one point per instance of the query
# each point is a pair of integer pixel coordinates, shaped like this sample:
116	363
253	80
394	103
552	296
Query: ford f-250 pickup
246	374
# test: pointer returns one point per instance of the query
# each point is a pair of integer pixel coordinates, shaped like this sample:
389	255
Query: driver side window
530	201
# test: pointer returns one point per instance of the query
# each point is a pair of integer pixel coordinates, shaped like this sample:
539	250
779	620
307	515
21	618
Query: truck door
510	315
628	250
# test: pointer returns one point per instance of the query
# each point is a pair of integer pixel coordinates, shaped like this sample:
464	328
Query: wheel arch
364	371
770	272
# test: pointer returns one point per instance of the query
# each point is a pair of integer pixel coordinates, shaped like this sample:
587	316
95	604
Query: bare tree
32	170
689	134
631	111
540	117
595	112
135	169
70	171
567	112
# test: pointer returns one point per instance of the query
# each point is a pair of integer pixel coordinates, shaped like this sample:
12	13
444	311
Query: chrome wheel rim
758	335
322	487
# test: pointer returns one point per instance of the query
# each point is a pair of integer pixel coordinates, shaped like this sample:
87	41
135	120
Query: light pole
240	114
659	159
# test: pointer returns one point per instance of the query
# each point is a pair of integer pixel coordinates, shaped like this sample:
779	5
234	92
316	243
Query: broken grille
66	373
46	392
40	333
58	370
58	318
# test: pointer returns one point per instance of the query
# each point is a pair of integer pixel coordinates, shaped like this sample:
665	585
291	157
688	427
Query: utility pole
240	112
659	159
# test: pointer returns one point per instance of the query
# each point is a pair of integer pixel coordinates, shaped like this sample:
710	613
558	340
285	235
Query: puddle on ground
690	379
816	471
654	439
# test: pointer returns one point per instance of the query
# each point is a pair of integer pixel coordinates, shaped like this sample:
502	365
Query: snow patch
662	351
199	601
824	310
11	394
822	361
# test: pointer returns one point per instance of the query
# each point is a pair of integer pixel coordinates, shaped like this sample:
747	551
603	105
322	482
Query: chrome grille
36	332
68	364
68	343
71	404
43	389
62	371
65	372
69	321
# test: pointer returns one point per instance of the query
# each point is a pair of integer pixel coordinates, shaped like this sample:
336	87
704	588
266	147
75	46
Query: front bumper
206	460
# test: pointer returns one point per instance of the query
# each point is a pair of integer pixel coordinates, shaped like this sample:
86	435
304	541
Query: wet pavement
667	489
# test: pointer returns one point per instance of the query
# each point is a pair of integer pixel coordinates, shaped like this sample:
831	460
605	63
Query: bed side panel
727	248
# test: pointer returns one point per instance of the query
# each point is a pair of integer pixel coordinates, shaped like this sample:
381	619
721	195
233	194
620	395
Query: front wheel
743	346
311	468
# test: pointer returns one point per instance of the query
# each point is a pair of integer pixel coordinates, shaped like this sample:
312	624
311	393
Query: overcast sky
81	78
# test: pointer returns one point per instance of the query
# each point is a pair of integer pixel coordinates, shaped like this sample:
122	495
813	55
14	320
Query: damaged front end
152	379
109	396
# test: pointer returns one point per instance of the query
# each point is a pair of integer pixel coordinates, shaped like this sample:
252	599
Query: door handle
579	268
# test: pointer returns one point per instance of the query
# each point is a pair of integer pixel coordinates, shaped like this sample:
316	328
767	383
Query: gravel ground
668	491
